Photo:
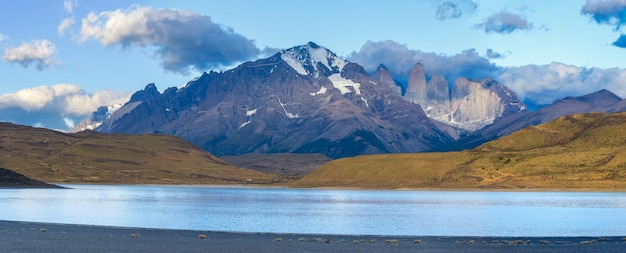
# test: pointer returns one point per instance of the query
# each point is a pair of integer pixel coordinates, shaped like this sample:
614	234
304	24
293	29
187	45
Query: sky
62	59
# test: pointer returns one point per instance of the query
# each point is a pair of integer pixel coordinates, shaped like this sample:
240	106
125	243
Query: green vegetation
91	157
577	152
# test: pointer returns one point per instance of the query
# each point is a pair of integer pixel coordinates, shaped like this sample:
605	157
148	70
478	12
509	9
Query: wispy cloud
65	24
505	22
183	40
69	5
491	54
455	8
38	52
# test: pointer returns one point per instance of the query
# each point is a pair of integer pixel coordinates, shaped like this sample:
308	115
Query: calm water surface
443	213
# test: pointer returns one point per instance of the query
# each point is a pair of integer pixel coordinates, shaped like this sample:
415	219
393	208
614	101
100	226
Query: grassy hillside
91	157
286	164
584	152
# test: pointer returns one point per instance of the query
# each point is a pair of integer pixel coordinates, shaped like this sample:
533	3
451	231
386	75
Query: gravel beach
16	236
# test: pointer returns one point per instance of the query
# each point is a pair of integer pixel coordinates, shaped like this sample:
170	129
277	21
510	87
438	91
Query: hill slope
11	179
583	151
93	157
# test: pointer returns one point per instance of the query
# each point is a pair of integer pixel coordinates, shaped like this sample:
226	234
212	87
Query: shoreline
23	236
284	186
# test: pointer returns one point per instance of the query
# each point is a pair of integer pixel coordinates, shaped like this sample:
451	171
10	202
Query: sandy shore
44	237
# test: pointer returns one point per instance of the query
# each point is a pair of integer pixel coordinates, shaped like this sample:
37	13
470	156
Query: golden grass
90	157
585	152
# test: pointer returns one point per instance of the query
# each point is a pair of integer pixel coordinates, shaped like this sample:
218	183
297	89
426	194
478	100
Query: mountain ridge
300	100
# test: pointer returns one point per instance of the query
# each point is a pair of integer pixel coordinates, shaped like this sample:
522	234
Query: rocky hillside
577	152
91	157
301	100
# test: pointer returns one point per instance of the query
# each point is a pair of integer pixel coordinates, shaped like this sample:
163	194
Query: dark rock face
303	100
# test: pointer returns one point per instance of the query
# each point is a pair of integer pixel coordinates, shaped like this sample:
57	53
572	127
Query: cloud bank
184	40
38	52
54	106
399	59
455	9
543	84
504	22
539	84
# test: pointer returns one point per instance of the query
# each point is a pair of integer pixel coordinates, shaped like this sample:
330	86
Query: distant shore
17	236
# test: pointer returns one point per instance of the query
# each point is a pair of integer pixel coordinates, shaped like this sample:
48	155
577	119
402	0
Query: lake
319	211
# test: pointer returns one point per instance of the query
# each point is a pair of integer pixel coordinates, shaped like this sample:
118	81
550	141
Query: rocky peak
150	92
416	88
601	98
312	59
477	103
383	75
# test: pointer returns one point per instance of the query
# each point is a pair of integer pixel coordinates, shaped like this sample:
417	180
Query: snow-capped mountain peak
311	59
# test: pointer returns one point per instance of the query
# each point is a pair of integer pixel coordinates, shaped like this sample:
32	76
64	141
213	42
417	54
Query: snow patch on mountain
288	114
343	84
250	112
319	92
304	59
295	64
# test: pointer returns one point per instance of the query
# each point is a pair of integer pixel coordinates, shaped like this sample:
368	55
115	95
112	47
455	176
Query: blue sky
61	59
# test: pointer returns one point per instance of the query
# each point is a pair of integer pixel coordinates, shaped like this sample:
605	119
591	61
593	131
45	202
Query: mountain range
307	100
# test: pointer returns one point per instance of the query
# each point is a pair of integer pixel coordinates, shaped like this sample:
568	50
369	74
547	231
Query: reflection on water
324	211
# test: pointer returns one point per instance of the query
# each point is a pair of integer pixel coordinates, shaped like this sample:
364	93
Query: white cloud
63	99
183	39
65	24
39	52
3	37
545	83
55	107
